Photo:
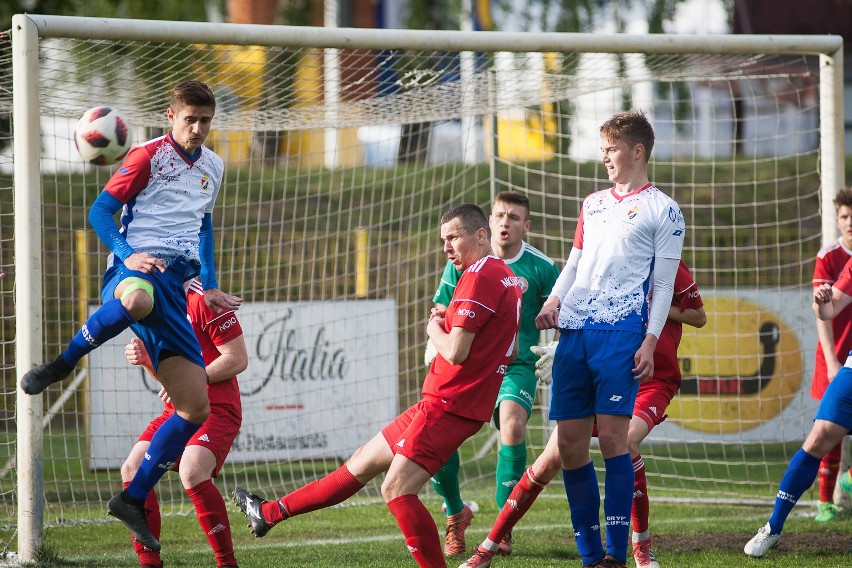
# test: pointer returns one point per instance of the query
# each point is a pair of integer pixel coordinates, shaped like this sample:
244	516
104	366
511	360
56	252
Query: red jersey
686	296
486	301
830	263
213	329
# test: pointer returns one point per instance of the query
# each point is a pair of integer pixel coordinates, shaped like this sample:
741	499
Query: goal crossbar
366	38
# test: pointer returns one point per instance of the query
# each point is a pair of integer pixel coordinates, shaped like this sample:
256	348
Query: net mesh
330	213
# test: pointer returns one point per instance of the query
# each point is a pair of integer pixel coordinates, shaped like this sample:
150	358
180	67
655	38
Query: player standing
653	398
166	190
607	335
509	222
224	350
476	339
835	342
832	422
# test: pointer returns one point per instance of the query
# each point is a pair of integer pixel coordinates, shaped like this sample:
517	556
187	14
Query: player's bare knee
191	476
195	413
390	489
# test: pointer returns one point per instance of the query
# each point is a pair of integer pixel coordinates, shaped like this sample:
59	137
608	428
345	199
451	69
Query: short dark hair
192	93
844	197
632	127
514	198
471	216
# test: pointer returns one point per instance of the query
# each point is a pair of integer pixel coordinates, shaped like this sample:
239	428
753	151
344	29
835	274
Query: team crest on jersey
632	212
524	284
205	182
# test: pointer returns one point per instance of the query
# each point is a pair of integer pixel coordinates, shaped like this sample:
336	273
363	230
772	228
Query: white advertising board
322	379
747	373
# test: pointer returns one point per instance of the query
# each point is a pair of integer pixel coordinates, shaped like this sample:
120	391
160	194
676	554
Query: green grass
367	536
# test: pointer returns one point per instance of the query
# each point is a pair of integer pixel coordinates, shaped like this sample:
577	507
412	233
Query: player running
653	398
476	339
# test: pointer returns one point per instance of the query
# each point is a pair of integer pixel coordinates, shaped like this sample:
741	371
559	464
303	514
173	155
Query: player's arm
696	317
123	186
825	333
665	270
442	298
829	301
548	316
453	346
136	354
232	360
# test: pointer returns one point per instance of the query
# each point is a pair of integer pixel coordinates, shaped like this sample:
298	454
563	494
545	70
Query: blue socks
107	322
800	475
166	447
584	500
618	503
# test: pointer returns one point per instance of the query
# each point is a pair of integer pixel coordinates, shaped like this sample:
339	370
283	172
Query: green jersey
537	274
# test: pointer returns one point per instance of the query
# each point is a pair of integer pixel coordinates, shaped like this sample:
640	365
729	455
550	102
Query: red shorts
217	434
428	435
653	399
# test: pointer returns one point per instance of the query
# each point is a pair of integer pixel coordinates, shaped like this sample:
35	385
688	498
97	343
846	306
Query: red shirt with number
487	302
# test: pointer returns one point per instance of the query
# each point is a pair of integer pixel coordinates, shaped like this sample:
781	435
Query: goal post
327	226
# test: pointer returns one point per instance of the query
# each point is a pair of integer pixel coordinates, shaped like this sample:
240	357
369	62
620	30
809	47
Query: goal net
342	150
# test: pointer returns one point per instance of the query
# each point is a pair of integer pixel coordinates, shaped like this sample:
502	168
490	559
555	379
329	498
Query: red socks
639	515
519	502
334	488
419	529
213	518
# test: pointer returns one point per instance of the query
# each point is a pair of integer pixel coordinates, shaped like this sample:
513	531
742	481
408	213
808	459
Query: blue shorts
592	373
167	326
836	403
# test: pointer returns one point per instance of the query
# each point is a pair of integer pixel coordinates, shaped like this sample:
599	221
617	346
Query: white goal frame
27	30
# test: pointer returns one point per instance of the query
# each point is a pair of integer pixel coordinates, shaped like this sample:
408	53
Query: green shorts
519	385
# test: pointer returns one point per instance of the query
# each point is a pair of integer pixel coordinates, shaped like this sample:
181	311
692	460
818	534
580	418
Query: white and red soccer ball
102	136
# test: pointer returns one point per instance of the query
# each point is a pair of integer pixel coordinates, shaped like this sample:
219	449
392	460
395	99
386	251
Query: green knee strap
136	283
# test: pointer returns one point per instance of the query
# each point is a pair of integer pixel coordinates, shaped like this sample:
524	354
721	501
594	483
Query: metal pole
331	77
28	288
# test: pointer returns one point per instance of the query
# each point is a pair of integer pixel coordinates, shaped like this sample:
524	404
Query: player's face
621	159
509	223
844	223
190	126
461	247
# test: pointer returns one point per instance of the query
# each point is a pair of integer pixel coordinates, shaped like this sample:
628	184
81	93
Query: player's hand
164	396
437	313
145	263
544	365
221	301
548	317
136	354
430	353
644	359
822	294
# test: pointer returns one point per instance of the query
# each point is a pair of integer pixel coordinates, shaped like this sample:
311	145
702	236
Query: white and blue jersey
166	194
619	236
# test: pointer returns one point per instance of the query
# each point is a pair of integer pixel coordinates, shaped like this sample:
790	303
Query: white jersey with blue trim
619	236
166	194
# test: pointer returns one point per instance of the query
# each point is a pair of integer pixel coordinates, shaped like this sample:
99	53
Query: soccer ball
102	136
